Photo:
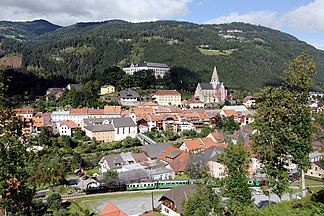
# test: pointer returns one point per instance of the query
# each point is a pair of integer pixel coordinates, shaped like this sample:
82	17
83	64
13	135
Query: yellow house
103	133
107	89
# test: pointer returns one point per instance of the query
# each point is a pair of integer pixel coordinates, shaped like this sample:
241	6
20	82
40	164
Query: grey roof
209	86
174	154
128	157
133	176
211	154
148	64
114	161
206	86
319	164
313	155
76	86
128	94
116	122
158	171
155	150
123	122
178	195
99	127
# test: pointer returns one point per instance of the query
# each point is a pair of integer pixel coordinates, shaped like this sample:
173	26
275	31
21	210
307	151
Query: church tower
214	79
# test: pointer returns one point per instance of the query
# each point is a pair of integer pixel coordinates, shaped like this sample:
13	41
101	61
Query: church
213	92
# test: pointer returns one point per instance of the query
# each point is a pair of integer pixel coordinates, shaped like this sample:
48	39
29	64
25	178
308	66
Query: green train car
164	184
141	186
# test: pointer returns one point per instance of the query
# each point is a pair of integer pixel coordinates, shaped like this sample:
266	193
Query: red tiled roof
24	110
70	124
111	210
80	111
179	163
202	143
218	136
112	109
230	113
142	111
38	122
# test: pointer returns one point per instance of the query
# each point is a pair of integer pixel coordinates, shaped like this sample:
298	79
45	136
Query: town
153	141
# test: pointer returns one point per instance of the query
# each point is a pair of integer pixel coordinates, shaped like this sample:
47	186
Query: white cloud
265	18
319	44
307	18
66	12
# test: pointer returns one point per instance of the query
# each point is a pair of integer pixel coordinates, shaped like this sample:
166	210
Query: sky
303	19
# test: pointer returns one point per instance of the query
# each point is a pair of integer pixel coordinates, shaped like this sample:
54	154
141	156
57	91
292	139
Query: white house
159	69
167	97
64	128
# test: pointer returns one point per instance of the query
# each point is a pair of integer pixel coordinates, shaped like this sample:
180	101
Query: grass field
216	52
309	182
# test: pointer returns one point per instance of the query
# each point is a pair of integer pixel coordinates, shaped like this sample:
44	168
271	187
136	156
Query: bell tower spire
215	75
214	78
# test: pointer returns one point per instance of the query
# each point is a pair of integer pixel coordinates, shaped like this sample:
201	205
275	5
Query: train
94	187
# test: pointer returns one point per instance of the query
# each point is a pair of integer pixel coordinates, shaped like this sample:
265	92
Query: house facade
172	201
64	128
110	129
213	92
159	69
128	97
77	115
107	89
167	97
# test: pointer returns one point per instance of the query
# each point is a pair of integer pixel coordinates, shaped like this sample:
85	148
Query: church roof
209	86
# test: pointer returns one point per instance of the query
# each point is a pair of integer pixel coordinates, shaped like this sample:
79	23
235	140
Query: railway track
83	194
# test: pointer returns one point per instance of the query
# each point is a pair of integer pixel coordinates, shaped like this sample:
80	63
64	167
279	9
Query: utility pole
152	202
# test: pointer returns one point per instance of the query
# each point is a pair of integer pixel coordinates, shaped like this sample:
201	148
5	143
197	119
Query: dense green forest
246	60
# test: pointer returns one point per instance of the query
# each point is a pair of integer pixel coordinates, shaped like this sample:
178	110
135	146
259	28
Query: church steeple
214	78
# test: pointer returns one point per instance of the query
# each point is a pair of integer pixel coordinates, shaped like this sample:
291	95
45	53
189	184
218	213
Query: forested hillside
247	56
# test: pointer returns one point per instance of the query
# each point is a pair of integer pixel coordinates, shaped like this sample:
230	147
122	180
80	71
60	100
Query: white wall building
159	69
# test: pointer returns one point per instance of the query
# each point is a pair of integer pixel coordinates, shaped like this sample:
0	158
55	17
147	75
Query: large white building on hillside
159	69
212	92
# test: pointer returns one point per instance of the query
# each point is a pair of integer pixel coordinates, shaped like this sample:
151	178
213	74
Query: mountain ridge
247	59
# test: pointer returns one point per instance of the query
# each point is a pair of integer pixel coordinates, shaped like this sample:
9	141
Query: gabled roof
147	64
128	94
114	161
167	92
178	195
229	113
247	98
24	110
206	86
133	176
202	143
319	164
112	109
111	210
156	150
139	157
142	111
69	123
99	128
217	136
123	122
236	108
84	111
38	122
179	163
